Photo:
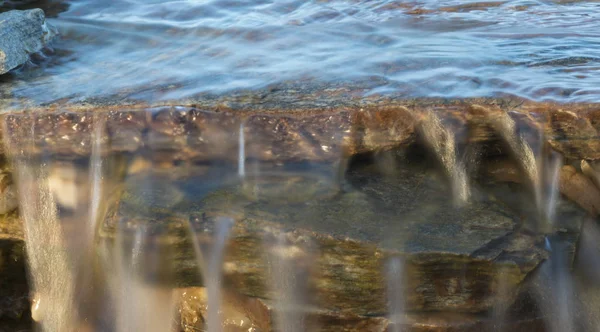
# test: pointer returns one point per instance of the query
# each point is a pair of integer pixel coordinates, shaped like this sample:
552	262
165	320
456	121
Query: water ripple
543	50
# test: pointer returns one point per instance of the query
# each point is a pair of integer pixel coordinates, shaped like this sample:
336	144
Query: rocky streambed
334	190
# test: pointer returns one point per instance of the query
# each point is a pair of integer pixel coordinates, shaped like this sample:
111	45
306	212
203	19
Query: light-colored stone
22	32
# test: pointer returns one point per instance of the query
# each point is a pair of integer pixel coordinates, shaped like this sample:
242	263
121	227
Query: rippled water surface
155	50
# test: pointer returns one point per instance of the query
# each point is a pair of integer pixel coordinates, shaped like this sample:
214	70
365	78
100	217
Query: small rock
22	32
193	311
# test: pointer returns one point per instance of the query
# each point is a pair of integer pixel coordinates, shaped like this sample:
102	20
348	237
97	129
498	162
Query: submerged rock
21	34
340	244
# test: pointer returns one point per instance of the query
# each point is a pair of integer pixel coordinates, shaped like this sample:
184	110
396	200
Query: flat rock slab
22	32
341	245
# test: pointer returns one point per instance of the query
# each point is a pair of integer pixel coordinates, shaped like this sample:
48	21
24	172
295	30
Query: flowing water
157	50
242	154
278	221
213	277
114	236
289	282
395	284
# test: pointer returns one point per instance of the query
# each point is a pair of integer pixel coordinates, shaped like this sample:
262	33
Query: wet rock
572	135
204	130
21	34
592	170
262	315
51	7
580	189
8	194
125	129
170	134
193	310
576	186
341	243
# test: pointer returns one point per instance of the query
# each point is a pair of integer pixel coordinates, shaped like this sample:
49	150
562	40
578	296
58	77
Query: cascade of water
242	153
395	292
559	282
84	227
142	303
51	272
443	145
288	285
214	272
520	150
96	181
503	292
555	291
52	278
552	191
211	266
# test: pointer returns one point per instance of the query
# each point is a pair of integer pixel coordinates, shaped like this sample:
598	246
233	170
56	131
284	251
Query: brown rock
574	185
349	125
579	188
592	170
572	135
8	194
193	310
264	316
341	243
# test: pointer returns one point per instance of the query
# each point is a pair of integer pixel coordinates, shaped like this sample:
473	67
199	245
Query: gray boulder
22	32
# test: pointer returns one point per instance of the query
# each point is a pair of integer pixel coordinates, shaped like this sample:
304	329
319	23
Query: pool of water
163	50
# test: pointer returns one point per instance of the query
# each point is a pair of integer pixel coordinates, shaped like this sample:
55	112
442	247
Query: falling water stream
141	305
395	291
213	273
289	285
443	146
557	292
53	279
242	153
